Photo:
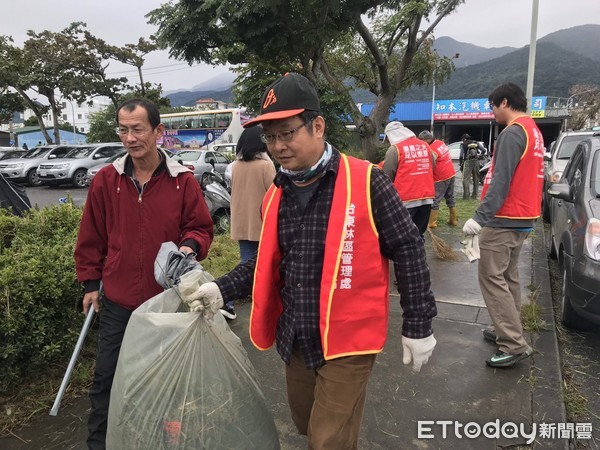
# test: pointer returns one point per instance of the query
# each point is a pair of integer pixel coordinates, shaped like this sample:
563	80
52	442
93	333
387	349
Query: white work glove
471	247
471	227
207	298
417	350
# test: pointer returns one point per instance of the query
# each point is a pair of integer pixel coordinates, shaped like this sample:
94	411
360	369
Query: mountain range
563	58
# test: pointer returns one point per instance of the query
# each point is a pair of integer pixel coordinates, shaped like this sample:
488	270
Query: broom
442	249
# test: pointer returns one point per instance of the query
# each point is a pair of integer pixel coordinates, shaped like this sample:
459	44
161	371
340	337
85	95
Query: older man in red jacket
133	206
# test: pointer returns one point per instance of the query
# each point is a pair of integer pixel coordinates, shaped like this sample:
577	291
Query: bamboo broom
442	248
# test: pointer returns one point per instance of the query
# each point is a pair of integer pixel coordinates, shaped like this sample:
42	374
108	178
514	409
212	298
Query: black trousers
420	216
113	321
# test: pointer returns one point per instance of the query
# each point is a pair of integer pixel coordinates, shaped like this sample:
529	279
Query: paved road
580	357
45	195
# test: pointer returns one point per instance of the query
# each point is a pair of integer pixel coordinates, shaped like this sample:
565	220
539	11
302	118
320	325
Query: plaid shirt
301	236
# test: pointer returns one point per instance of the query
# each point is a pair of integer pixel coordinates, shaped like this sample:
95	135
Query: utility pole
532	49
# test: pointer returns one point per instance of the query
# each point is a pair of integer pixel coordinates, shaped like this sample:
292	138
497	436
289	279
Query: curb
547	395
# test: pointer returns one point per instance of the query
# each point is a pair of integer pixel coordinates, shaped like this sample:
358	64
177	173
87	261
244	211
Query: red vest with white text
524	197
353	299
414	176
444	168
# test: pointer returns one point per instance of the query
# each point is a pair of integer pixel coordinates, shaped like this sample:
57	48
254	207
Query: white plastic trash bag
184	382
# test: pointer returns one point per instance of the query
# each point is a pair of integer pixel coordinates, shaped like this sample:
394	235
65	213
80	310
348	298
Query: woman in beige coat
251	175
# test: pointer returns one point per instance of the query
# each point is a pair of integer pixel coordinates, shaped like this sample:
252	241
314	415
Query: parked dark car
575	234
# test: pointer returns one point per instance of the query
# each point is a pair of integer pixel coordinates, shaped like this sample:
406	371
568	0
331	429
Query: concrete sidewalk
455	385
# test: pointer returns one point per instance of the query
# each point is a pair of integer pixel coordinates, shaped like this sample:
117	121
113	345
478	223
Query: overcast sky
487	23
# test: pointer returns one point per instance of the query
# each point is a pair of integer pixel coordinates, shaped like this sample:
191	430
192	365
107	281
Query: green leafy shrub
40	314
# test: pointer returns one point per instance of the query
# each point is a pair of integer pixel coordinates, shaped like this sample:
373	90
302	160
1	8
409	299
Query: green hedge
40	312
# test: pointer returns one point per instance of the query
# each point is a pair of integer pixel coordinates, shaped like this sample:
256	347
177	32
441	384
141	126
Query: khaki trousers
327	404
499	282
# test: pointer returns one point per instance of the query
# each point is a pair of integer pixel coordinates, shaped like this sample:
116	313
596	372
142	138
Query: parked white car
226	148
454	149
74	166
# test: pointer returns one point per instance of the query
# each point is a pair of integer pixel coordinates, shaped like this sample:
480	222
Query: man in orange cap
320	279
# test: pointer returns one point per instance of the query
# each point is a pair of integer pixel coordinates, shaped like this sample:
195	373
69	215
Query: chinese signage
477	109
538	107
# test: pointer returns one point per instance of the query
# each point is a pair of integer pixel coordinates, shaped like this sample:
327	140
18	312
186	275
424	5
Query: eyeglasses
283	136
137	132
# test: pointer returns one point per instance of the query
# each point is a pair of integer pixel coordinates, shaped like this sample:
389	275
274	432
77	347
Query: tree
10	103
586	108
103	126
69	65
13	74
131	54
30	122
339	45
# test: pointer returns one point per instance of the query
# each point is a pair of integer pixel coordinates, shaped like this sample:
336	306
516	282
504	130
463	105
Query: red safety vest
524	197
444	168
414	176
354	300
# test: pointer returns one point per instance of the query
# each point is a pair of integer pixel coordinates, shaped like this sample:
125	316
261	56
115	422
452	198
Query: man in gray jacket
511	201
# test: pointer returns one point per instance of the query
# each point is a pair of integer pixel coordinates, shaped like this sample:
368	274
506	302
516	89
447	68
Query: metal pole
73	112
74	356
432	104
532	49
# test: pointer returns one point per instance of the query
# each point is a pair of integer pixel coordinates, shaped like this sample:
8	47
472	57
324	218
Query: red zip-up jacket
122	230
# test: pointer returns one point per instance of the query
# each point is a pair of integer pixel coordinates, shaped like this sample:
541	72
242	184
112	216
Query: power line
152	68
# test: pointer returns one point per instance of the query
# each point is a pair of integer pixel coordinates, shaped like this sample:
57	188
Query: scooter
486	163
216	194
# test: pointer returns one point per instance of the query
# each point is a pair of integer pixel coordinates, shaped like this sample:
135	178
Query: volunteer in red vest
443	177
409	164
320	280
510	204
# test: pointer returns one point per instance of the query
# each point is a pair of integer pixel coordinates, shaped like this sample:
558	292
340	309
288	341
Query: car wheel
550	247
79	178
568	316
222	220
33	179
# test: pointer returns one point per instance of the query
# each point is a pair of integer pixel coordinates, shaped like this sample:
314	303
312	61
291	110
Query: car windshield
567	146
188	156
80	152
12	155
37	153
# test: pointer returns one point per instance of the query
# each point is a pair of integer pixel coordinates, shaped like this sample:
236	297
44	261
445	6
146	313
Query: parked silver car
92	171
74	166
25	168
200	161
575	234
555	161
